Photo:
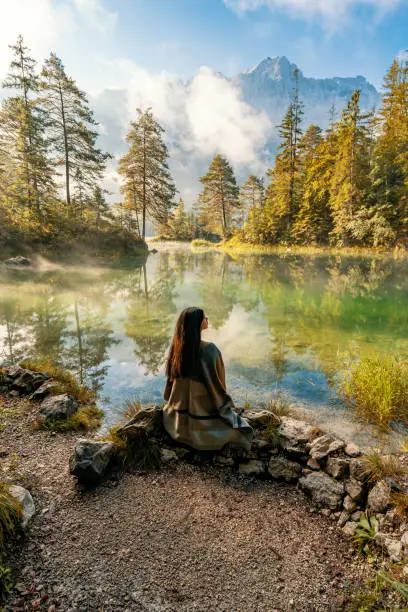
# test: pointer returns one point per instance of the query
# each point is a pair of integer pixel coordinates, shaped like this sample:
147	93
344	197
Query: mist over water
282	323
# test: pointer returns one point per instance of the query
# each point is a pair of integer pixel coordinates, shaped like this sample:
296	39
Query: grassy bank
236	245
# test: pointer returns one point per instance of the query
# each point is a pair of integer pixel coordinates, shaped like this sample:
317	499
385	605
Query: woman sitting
199	412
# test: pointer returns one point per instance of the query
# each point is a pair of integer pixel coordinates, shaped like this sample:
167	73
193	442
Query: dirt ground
186	538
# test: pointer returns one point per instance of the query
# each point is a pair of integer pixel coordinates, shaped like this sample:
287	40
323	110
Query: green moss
86	418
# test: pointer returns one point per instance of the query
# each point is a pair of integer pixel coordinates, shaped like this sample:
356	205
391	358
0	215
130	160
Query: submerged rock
58	407
91	460
324	490
26	501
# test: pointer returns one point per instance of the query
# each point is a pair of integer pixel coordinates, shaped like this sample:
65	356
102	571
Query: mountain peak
276	68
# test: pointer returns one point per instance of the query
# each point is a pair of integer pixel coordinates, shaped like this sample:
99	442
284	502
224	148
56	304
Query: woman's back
199	412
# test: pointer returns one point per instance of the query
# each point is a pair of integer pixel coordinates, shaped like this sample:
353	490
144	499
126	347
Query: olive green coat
199	412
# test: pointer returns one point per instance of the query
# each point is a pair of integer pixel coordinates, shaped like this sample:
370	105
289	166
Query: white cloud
330	10
46	24
201	118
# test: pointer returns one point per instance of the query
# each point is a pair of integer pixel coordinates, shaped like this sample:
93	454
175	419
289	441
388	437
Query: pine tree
251	195
23	129
178	223
73	132
313	221
219	197
350	184
390	166
283	193
147	184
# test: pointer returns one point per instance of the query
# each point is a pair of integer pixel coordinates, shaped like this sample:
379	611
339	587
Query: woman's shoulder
210	349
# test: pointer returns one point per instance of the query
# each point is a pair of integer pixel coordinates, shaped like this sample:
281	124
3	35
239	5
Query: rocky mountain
268	87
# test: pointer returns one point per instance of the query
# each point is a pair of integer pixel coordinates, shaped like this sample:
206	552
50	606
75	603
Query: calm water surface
282	322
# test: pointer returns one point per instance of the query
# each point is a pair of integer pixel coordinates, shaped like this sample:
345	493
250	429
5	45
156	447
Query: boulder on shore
147	421
325	445
57	407
91	460
19	261
379	497
26	501
324	490
282	468
22	380
295	434
49	387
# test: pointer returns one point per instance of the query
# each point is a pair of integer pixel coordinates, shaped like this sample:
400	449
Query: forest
343	186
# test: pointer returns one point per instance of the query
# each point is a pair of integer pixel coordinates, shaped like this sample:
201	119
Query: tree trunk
64	127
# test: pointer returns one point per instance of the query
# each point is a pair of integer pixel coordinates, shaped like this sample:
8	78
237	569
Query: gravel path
186	538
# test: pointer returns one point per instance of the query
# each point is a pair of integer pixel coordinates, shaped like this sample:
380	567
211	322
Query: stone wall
332	472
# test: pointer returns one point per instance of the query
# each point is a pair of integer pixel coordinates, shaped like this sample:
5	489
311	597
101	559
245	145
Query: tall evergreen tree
147	184
73	132
251	195
350	184
178	223
313	221
283	194
219	197
23	131
390	165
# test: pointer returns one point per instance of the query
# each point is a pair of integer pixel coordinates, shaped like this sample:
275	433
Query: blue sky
181	35
167	53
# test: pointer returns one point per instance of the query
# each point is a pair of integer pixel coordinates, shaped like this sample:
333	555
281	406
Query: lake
283	323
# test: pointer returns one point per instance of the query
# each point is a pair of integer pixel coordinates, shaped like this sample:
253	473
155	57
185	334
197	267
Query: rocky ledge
332	472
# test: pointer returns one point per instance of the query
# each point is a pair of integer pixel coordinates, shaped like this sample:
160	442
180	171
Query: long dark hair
182	361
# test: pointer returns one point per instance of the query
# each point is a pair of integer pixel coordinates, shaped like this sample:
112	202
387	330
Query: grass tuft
382	466
376	387
10	512
399	501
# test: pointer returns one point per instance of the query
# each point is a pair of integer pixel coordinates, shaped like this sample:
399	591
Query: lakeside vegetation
346	186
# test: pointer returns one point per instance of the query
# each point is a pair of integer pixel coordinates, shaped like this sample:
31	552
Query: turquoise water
282	322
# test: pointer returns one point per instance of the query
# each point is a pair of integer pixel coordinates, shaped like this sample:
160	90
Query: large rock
358	469
338	467
392	545
282	468
324	490
355	489
91	460
262	419
379	497
325	445
26	501
49	387
58	407
19	261
252	468
148	421
295	434
22	380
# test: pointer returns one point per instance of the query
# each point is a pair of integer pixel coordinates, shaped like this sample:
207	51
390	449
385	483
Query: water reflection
280	321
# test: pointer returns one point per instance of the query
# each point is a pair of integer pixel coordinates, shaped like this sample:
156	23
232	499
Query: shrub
200	242
377	388
381	466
